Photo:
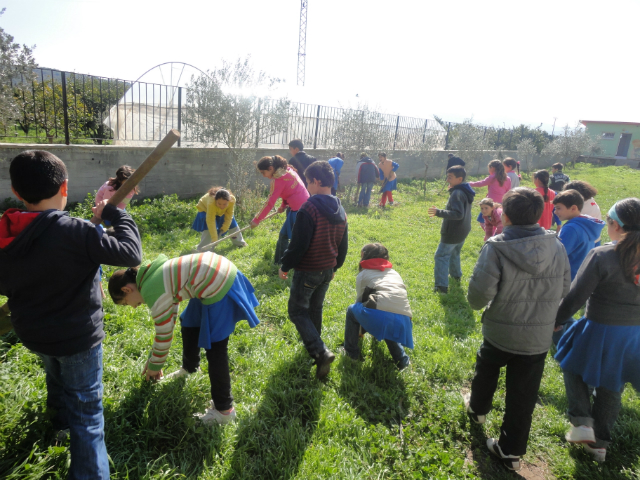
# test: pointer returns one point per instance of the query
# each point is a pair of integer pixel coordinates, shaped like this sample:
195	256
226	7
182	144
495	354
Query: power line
302	42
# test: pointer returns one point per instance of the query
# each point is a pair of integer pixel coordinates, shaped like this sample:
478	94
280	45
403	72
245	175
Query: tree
470	142
15	60
526	150
360	130
428	151
571	144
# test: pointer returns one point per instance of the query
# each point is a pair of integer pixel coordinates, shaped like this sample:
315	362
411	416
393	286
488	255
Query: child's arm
100	194
456	208
273	198
482	183
569	239
342	248
395	166
483	284
301	237
164	321
359	287
123	248
228	216
381	174
583	285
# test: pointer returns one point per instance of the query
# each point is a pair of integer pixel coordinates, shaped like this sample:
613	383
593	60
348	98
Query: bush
162	214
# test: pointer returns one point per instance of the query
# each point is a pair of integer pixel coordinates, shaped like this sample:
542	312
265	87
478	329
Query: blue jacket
336	163
578	236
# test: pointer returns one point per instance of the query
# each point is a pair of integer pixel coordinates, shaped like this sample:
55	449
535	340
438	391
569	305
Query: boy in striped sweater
219	297
318	248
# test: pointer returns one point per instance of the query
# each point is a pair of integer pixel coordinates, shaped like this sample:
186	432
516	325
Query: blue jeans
74	390
305	307
447	262
351	336
365	194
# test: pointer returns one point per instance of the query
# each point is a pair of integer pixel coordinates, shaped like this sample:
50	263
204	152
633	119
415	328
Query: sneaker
512	462
178	374
61	435
479	419
597	453
404	363
323	362
441	289
211	416
343	352
580	434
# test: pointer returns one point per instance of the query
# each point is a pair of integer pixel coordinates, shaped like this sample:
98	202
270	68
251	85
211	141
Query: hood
530	247
366	160
466	189
330	207
18	229
592	227
305	156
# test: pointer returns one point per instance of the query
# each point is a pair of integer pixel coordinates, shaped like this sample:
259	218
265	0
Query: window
608	135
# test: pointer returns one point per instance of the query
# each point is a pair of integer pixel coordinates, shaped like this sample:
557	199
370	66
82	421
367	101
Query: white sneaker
597	453
211	416
178	373
480	419
581	434
512	462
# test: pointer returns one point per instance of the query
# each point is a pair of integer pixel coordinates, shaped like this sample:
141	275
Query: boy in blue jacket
49	270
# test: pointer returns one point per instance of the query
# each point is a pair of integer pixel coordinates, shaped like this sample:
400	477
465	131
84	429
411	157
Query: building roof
584	122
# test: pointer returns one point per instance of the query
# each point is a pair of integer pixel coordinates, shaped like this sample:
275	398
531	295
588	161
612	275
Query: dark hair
490	202
511	162
382	154
119	279
363	154
543	178
276	162
37	175
557	166
586	190
569	198
122	175
501	175
320	170
628	248
374	250
523	206
220	193
457	171
296	143
450	155
340	155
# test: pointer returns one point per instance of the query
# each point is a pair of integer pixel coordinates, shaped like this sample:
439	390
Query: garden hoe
212	245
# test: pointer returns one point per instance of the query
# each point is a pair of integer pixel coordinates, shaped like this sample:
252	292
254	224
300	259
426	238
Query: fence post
179	113
446	139
64	109
395	139
485	133
510	137
258	123
315	137
498	141
424	134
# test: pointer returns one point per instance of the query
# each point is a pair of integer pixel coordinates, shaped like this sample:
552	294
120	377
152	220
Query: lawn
366	421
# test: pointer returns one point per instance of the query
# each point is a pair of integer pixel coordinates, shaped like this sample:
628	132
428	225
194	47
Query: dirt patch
490	468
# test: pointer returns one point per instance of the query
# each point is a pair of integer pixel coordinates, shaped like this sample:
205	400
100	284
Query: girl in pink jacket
285	184
492	215
111	186
497	181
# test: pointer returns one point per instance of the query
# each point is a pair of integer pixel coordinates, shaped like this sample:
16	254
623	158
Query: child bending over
215	218
492	216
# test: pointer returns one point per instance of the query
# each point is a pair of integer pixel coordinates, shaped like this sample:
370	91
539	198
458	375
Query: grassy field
366	421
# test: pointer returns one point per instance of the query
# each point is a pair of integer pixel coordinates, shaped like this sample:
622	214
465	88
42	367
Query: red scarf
376	264
12	223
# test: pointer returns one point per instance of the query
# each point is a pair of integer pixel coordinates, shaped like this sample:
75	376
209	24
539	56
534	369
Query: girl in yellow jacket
215	218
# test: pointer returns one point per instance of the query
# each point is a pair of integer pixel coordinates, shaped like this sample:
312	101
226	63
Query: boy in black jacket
318	248
300	159
455	228
49	270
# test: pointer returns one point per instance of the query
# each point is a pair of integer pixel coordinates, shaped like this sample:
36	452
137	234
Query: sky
500	62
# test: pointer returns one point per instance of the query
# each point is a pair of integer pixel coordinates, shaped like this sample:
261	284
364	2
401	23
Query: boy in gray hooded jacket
521	276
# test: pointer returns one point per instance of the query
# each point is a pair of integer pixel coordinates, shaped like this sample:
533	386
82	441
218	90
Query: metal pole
395	139
424	134
446	139
258	123
315	138
510	137
65	108
179	112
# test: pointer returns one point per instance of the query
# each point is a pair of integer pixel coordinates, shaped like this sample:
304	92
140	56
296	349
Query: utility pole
302	41
554	126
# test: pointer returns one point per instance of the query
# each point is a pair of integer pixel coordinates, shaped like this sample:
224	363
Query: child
521	275
455	228
588	192
388	170
112	185
558	179
219	297
49	270
453	161
602	349
509	166
285	184
336	163
300	160
498	182
382	307
318	248
491	213
367	174
215	218
541	181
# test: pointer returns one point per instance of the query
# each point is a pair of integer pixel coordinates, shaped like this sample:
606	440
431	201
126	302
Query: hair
457	171
363	154
276	162
586	189
119	279
382	154
511	162
340	155
523	206
543	177
220	193
37	175
569	198
557	166
450	155
490	202
628	248
374	250
501	175
296	143
122	175
320	170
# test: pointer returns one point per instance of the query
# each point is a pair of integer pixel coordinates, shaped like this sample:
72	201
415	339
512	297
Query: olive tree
571	144
428	151
470	142
526	150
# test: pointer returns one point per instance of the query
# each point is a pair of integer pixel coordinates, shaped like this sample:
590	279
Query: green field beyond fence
367	421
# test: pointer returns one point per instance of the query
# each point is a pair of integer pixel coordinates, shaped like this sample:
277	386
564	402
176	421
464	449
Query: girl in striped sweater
219	297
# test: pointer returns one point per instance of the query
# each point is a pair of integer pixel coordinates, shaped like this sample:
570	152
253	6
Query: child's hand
558	328
97	210
282	208
150	374
283	275
432	211
254	224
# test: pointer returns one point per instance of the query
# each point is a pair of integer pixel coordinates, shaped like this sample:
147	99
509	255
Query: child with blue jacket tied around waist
520	277
382	307
388	169
216	218
219	297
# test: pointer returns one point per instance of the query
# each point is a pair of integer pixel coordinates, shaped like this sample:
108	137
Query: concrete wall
192	171
610	145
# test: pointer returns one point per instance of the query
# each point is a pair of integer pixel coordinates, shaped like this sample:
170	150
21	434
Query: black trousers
524	373
218	359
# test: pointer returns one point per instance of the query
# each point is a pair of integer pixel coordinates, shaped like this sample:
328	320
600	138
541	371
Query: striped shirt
164	283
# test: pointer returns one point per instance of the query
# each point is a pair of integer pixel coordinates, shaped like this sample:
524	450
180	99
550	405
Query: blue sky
496	61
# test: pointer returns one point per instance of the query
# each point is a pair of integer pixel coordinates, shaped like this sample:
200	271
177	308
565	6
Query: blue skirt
384	325
218	320
287	227
603	355
390	186
200	222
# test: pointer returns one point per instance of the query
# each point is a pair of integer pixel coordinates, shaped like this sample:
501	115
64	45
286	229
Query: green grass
366	421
